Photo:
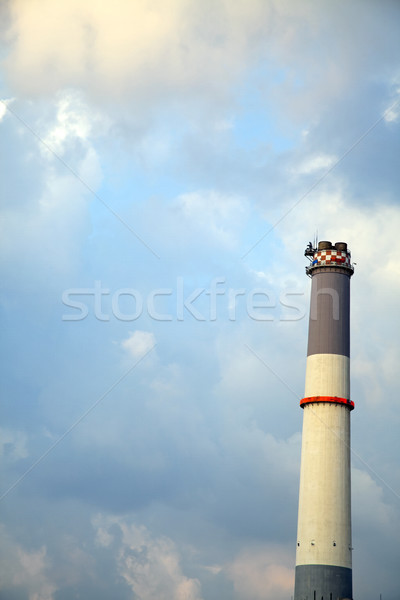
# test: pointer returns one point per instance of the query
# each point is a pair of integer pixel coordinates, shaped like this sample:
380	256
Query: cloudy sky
163	166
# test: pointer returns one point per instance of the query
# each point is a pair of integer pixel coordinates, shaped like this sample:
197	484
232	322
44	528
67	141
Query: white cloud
134	49
4	102
392	113
70	121
196	225
45	236
263	573
138	343
151	566
13	444
43	226
29	569
313	164
145	54
214	569
370	508
213	214
74	122
376	372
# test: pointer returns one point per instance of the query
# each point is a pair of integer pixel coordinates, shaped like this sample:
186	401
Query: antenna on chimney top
316	239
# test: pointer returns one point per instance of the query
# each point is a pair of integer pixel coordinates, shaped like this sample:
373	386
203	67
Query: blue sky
165	164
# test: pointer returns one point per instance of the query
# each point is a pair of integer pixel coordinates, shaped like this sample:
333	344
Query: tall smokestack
324	551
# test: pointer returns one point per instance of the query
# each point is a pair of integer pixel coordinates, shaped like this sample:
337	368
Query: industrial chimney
324	550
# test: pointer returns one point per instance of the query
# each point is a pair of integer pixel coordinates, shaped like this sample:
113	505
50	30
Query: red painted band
332	399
